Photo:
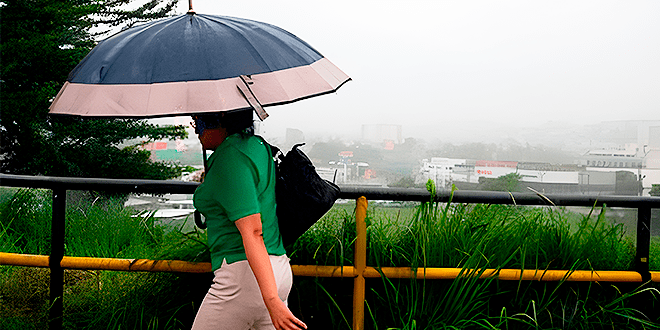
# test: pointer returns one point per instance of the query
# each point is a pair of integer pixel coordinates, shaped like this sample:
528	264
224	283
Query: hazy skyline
448	67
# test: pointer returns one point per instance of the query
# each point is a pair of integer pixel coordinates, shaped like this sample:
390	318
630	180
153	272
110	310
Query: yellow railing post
360	263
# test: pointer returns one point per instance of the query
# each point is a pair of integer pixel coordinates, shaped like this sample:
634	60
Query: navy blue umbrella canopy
192	64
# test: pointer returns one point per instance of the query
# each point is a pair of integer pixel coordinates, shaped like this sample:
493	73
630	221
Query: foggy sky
446	68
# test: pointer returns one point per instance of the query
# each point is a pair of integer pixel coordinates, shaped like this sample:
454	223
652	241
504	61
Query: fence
57	262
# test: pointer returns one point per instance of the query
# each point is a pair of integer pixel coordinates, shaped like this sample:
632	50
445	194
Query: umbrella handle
190	8
244	86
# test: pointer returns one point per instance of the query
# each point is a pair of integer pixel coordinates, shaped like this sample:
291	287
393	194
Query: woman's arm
257	256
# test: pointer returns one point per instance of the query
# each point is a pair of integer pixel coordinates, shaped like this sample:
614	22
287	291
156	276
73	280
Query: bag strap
273	152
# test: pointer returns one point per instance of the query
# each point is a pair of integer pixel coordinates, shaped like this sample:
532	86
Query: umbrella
194	63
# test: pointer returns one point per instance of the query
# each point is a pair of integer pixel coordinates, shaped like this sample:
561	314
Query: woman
252	272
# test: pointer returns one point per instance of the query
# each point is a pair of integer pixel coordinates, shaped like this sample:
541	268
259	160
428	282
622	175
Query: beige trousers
234	300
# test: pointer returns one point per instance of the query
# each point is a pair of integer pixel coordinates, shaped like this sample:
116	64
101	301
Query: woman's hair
239	121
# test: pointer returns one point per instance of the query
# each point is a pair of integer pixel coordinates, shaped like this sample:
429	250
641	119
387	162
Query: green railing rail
57	262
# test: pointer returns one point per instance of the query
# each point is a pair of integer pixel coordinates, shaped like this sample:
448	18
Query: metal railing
57	262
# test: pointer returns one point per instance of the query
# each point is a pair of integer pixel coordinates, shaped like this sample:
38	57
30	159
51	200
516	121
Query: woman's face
211	138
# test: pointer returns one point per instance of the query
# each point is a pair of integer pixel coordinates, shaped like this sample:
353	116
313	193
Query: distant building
542	177
624	144
653	154
627	156
494	169
345	170
642	159
441	171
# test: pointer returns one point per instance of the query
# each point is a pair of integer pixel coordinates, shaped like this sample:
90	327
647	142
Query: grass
470	237
97	226
479	236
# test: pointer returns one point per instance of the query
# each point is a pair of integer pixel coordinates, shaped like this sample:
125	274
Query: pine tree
42	41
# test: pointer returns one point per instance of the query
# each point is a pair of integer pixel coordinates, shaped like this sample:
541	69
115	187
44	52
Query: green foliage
509	182
190	169
42	41
654	263
115	300
23	298
655	190
477	237
430	187
627	184
25	220
425	303
328	242
97	226
512	237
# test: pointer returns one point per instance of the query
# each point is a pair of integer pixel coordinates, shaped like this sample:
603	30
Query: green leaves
42	41
655	190
509	182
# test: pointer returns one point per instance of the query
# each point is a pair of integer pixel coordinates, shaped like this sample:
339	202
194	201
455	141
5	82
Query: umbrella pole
206	166
196	215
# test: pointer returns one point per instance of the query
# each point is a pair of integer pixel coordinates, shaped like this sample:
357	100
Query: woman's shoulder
251	146
245	141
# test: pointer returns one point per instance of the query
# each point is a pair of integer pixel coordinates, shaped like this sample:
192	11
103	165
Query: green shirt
240	182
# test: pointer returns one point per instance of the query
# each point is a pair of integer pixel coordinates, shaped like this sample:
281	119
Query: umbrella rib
254	53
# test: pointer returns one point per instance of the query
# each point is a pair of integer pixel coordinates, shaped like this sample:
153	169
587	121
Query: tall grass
25	217
97	226
474	237
509	236
471	237
654	252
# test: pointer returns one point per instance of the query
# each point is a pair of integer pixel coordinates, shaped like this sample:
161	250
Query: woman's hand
257	256
282	317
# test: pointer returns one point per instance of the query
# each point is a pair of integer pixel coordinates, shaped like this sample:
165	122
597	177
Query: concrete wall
592	176
549	176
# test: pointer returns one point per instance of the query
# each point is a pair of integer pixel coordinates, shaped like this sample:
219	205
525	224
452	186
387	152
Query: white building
494	169
549	176
440	170
643	161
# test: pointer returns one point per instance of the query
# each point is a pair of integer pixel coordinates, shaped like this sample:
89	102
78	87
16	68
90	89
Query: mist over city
437	82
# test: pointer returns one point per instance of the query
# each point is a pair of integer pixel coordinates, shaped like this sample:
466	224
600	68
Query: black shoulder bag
303	197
